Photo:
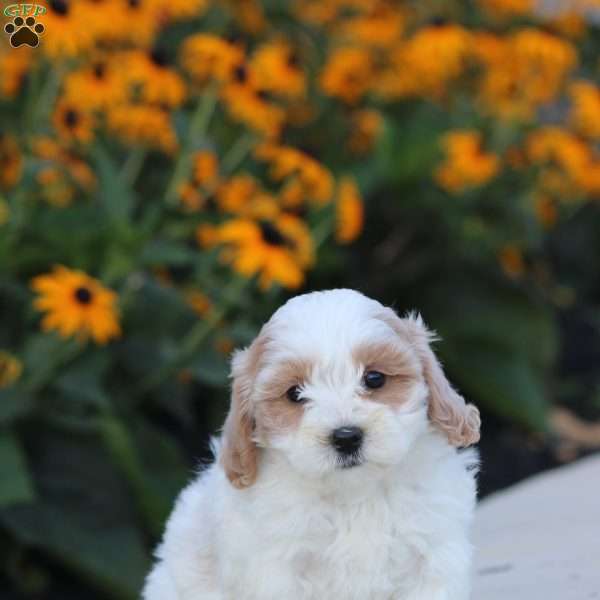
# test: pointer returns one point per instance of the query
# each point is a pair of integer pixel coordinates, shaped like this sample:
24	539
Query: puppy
337	475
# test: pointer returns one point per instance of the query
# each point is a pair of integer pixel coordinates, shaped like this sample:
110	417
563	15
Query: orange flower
73	124
347	74
149	73
206	57
425	64
11	161
76	304
349	211
277	70
308	179
278	251
466	164
141	125
585	110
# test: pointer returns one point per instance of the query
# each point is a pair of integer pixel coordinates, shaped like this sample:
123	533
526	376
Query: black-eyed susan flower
142	125
278	251
68	32
585	108
95	87
466	165
253	109
101	16
72	123
11	161
348	74
426	63
380	27
10	369
305	178
277	70
349	211
234	194
522	71
205	57
149	73
13	69
138	24
76	304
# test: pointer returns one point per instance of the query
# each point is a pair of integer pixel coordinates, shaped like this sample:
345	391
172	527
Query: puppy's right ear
239	451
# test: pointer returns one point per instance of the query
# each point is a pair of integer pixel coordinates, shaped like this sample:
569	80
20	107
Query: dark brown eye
293	394
374	379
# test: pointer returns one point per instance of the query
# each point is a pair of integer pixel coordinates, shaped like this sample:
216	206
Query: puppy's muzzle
347	440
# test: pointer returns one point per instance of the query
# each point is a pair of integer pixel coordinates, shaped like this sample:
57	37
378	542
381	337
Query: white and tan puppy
338	473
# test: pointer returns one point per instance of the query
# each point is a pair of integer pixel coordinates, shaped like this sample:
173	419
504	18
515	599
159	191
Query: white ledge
541	538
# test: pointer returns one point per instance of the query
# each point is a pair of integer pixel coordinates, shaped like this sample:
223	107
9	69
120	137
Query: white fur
393	528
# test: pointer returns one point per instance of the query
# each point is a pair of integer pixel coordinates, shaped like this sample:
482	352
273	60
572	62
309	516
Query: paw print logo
24	32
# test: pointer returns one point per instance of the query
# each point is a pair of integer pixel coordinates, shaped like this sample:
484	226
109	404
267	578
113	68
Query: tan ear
239	453
448	411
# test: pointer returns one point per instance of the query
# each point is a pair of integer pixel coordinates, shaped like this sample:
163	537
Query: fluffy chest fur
285	538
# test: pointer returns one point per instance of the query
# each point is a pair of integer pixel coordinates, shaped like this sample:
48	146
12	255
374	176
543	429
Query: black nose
347	440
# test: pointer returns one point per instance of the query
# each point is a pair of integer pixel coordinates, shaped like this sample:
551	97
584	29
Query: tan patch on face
400	366
275	413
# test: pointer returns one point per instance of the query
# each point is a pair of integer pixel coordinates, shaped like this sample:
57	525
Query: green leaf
15	483
14	404
83	518
212	368
161	252
82	379
501	381
116	197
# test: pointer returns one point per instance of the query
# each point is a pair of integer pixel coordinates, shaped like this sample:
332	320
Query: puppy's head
338	383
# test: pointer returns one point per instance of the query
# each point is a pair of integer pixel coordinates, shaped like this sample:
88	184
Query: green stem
322	231
238	152
119	443
133	165
196	336
198	127
47	97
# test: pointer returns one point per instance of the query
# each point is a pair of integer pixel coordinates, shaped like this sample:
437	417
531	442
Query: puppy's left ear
448	410
239	454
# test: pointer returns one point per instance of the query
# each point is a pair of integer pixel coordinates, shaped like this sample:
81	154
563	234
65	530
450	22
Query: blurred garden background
171	171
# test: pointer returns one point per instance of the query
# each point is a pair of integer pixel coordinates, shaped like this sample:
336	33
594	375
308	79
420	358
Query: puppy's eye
374	379
293	394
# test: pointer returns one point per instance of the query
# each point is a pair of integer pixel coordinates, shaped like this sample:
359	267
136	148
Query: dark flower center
99	70
438	21
271	235
240	74
71	118
60	7
159	57
134	3
293	59
263	95
83	295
